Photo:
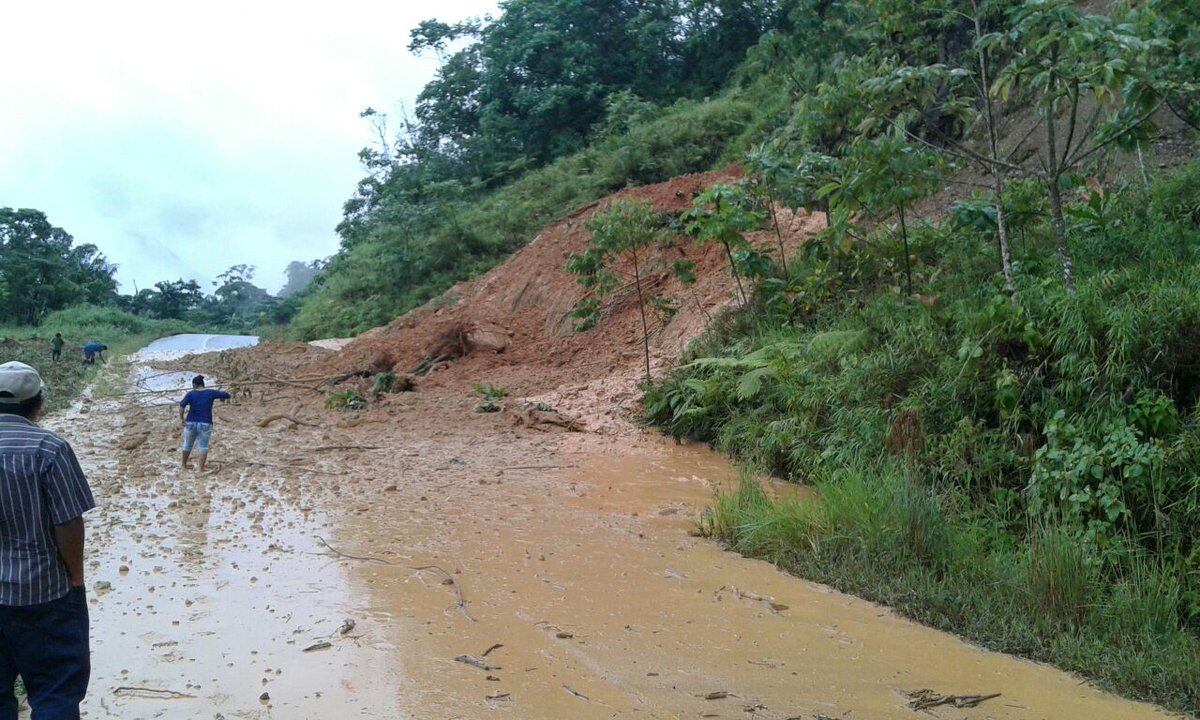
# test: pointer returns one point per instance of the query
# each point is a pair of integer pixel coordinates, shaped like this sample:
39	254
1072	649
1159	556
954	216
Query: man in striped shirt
43	608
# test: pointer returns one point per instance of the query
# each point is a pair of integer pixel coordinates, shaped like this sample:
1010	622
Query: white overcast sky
183	138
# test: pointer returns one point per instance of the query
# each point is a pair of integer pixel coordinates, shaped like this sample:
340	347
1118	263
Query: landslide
512	327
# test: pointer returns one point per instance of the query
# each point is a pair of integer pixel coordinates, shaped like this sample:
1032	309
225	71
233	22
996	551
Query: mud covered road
567	585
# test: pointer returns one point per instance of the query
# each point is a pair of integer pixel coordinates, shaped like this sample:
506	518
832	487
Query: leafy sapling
723	214
622	235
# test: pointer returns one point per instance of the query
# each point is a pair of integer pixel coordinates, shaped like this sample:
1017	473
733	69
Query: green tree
921	101
724	214
173	299
41	270
1088	77
622	235
886	175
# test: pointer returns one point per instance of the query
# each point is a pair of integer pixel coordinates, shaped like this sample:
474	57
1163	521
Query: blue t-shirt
94	347
199	404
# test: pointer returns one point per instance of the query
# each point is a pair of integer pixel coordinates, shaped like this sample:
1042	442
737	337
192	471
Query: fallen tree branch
449	580
324	448
146	692
280	416
303	468
364	558
925	699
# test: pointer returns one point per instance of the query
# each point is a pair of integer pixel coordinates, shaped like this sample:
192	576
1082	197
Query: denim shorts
196	433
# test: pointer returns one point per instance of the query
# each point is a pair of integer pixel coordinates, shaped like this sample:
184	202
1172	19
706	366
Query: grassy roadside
887	540
122	332
1024	474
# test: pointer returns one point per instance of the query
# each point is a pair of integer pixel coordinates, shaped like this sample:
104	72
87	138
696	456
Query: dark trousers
55	355
47	645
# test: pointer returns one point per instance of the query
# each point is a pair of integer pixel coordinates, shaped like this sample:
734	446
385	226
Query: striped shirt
41	485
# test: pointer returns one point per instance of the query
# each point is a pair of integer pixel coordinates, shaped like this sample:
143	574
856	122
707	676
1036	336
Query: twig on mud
449	580
304	468
335	551
577	694
775	607
280	416
324	448
538	467
475	663
427	366
146	692
926	699
487	652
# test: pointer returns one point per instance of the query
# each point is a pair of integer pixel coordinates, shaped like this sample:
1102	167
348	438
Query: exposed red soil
512	326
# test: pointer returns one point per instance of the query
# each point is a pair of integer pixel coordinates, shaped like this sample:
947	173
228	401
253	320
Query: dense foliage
533	83
551	104
962	442
42	270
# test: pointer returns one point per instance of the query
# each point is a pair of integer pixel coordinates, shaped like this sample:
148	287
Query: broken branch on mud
153	693
304	468
926	699
449	580
280	416
576	693
364	558
775	607
476	663
325	448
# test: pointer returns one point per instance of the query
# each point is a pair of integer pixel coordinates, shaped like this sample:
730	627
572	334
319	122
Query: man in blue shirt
93	350
195	413
43	607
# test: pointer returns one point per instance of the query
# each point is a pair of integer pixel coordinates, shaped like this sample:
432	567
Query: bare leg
184	464
202	459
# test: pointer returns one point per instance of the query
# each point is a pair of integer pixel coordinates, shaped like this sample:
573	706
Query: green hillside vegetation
984	365
994	396
1026	474
552	105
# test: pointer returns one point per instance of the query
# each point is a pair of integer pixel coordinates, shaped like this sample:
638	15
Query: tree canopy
42	270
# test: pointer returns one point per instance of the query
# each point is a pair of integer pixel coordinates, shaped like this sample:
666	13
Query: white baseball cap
18	383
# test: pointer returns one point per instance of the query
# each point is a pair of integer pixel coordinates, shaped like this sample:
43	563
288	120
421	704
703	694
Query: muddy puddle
446	565
605	605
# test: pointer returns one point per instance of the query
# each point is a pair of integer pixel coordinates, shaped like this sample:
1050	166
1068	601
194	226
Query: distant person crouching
93	351
195	413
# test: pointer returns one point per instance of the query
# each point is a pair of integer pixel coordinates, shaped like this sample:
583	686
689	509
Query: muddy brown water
572	555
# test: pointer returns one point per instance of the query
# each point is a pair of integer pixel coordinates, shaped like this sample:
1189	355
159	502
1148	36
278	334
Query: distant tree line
42	270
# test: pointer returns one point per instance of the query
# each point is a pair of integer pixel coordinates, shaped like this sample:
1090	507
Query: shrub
345	400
